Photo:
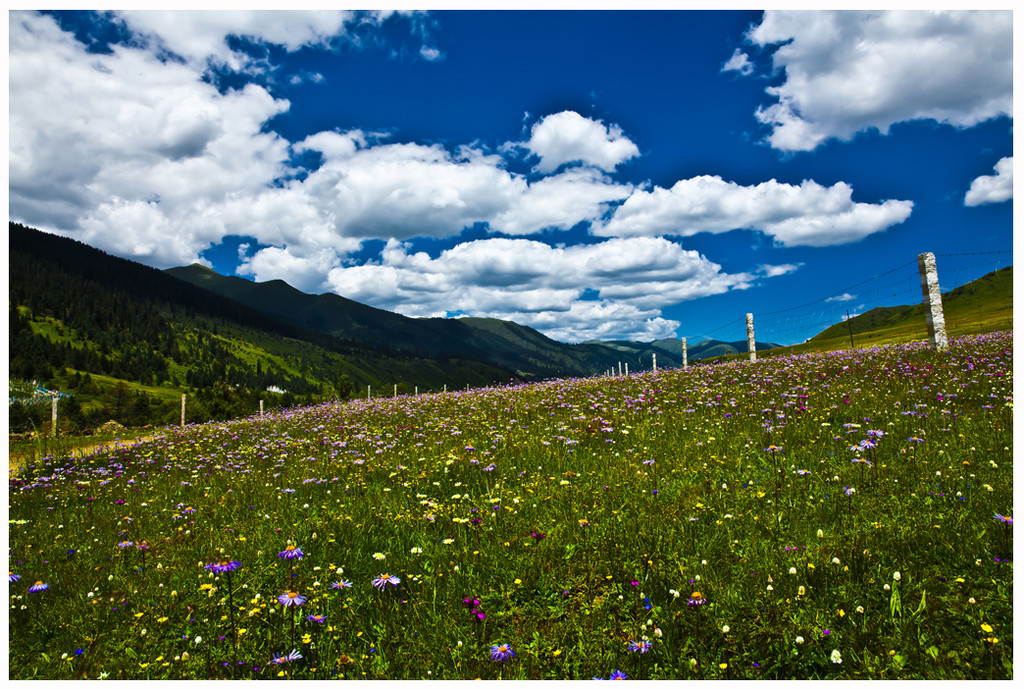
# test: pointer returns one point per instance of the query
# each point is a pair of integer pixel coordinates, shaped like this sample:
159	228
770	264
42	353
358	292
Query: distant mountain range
521	349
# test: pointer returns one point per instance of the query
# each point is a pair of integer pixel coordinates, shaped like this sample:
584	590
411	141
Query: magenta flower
39	586
502	652
384	580
291	599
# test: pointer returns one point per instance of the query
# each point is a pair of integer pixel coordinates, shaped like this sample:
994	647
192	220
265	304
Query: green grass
576	515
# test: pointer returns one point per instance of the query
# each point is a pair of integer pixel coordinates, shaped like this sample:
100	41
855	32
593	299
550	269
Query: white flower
971	601
770	588
199	639
896	576
820	534
887	588
725	628
836	561
792	571
860	609
799	639
379	556
836	659
415	549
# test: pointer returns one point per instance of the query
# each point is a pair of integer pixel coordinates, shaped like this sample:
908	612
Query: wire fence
893	296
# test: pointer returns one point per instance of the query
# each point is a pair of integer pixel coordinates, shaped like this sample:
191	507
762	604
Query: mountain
134	332
505	344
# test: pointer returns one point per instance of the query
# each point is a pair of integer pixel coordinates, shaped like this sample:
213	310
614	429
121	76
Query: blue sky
592	174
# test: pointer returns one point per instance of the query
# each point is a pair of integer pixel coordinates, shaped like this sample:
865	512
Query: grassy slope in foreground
577	516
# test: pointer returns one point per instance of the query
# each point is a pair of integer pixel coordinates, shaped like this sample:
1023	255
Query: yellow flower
723	666
986	627
161	619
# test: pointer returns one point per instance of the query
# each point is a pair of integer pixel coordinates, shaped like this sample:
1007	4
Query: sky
592	174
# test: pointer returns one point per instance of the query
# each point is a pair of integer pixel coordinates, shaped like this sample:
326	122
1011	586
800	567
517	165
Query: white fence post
751	347
932	301
684	353
183	410
261	408
654	361
53	416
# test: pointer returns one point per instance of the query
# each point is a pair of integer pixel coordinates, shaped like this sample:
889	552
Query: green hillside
128	340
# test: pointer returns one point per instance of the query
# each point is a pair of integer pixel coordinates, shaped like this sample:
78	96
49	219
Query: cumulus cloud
848	72
568	137
534	284
160	151
199	37
808	214
992	189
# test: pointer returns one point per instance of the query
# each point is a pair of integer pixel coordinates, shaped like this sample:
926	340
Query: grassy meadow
814	516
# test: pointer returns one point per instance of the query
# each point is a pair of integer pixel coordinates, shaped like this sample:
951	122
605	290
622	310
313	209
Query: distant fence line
899	286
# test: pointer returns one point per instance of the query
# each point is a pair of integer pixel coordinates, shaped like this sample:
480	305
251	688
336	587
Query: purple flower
618	675
316	619
11	577
291	656
341	584
384	580
696	599
1004	519
125	544
39	586
641	647
291	599
291	552
502	652
223	566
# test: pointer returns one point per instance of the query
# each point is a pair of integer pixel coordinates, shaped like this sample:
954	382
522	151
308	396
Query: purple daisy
696	599
502	652
11	577
291	552
223	566
1004	519
641	647
341	584
316	619
384	580
618	675
284	658
291	599
39	586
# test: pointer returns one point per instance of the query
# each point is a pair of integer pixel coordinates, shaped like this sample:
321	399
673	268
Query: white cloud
845	297
808	214
537	285
160	152
568	137
992	189
739	62
201	36
848	72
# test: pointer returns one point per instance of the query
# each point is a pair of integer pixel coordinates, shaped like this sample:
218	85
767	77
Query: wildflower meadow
813	516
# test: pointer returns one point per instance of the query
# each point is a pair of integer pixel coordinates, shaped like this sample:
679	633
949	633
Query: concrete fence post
654	361
53	417
684	353
932	301
261	408
751	346
183	410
